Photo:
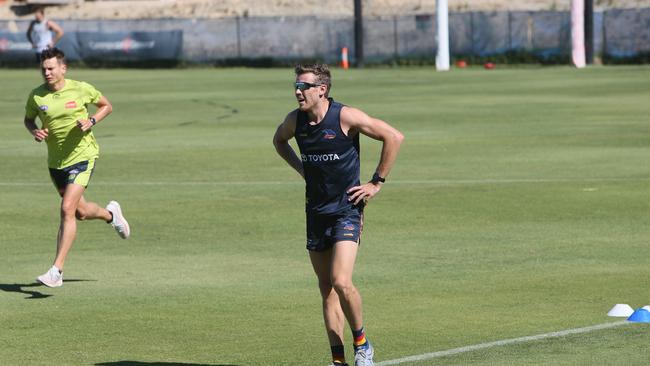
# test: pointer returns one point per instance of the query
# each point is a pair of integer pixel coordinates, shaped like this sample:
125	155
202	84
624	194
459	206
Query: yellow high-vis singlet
59	112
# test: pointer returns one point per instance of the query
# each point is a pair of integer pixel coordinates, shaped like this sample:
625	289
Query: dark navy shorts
323	231
78	173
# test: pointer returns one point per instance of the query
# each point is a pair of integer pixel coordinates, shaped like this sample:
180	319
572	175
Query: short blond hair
321	71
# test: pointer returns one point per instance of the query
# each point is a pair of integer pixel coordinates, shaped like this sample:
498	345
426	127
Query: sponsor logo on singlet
316	158
329	134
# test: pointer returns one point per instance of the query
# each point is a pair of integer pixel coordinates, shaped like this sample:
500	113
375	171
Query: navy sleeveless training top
330	160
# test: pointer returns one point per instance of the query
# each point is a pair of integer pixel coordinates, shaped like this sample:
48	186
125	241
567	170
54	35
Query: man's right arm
283	134
38	133
29	34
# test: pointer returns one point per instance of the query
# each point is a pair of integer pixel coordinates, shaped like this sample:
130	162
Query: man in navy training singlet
327	134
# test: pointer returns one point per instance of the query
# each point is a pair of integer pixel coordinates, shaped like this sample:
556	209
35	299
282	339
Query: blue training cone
641	315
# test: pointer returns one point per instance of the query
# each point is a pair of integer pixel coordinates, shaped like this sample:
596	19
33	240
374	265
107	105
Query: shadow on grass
140	363
19	288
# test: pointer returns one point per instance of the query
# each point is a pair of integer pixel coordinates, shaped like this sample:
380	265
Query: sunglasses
300	85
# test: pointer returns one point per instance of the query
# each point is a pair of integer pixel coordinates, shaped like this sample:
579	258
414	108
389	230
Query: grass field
519	205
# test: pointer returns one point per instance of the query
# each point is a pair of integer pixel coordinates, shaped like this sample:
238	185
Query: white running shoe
51	278
119	222
363	356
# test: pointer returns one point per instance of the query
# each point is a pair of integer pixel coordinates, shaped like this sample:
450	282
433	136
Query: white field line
407	182
454	351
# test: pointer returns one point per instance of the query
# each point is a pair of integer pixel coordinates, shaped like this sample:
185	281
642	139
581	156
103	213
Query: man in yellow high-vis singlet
60	104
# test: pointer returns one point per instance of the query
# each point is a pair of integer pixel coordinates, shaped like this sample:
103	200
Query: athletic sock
57	269
359	338
338	354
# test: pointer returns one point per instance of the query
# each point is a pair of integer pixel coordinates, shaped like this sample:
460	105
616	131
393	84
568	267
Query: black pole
238	38
358	33
471	30
589	31
509	31
395	35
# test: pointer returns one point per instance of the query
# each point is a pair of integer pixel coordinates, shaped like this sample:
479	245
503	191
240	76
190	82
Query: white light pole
578	33
442	57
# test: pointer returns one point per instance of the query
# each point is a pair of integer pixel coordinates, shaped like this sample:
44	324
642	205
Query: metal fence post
509	31
238	38
589	31
395	35
471	31
358	33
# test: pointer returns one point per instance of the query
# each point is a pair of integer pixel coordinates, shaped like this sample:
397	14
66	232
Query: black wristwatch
92	120
377	179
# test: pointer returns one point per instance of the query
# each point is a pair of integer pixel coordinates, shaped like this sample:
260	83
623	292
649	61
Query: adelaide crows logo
329	134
